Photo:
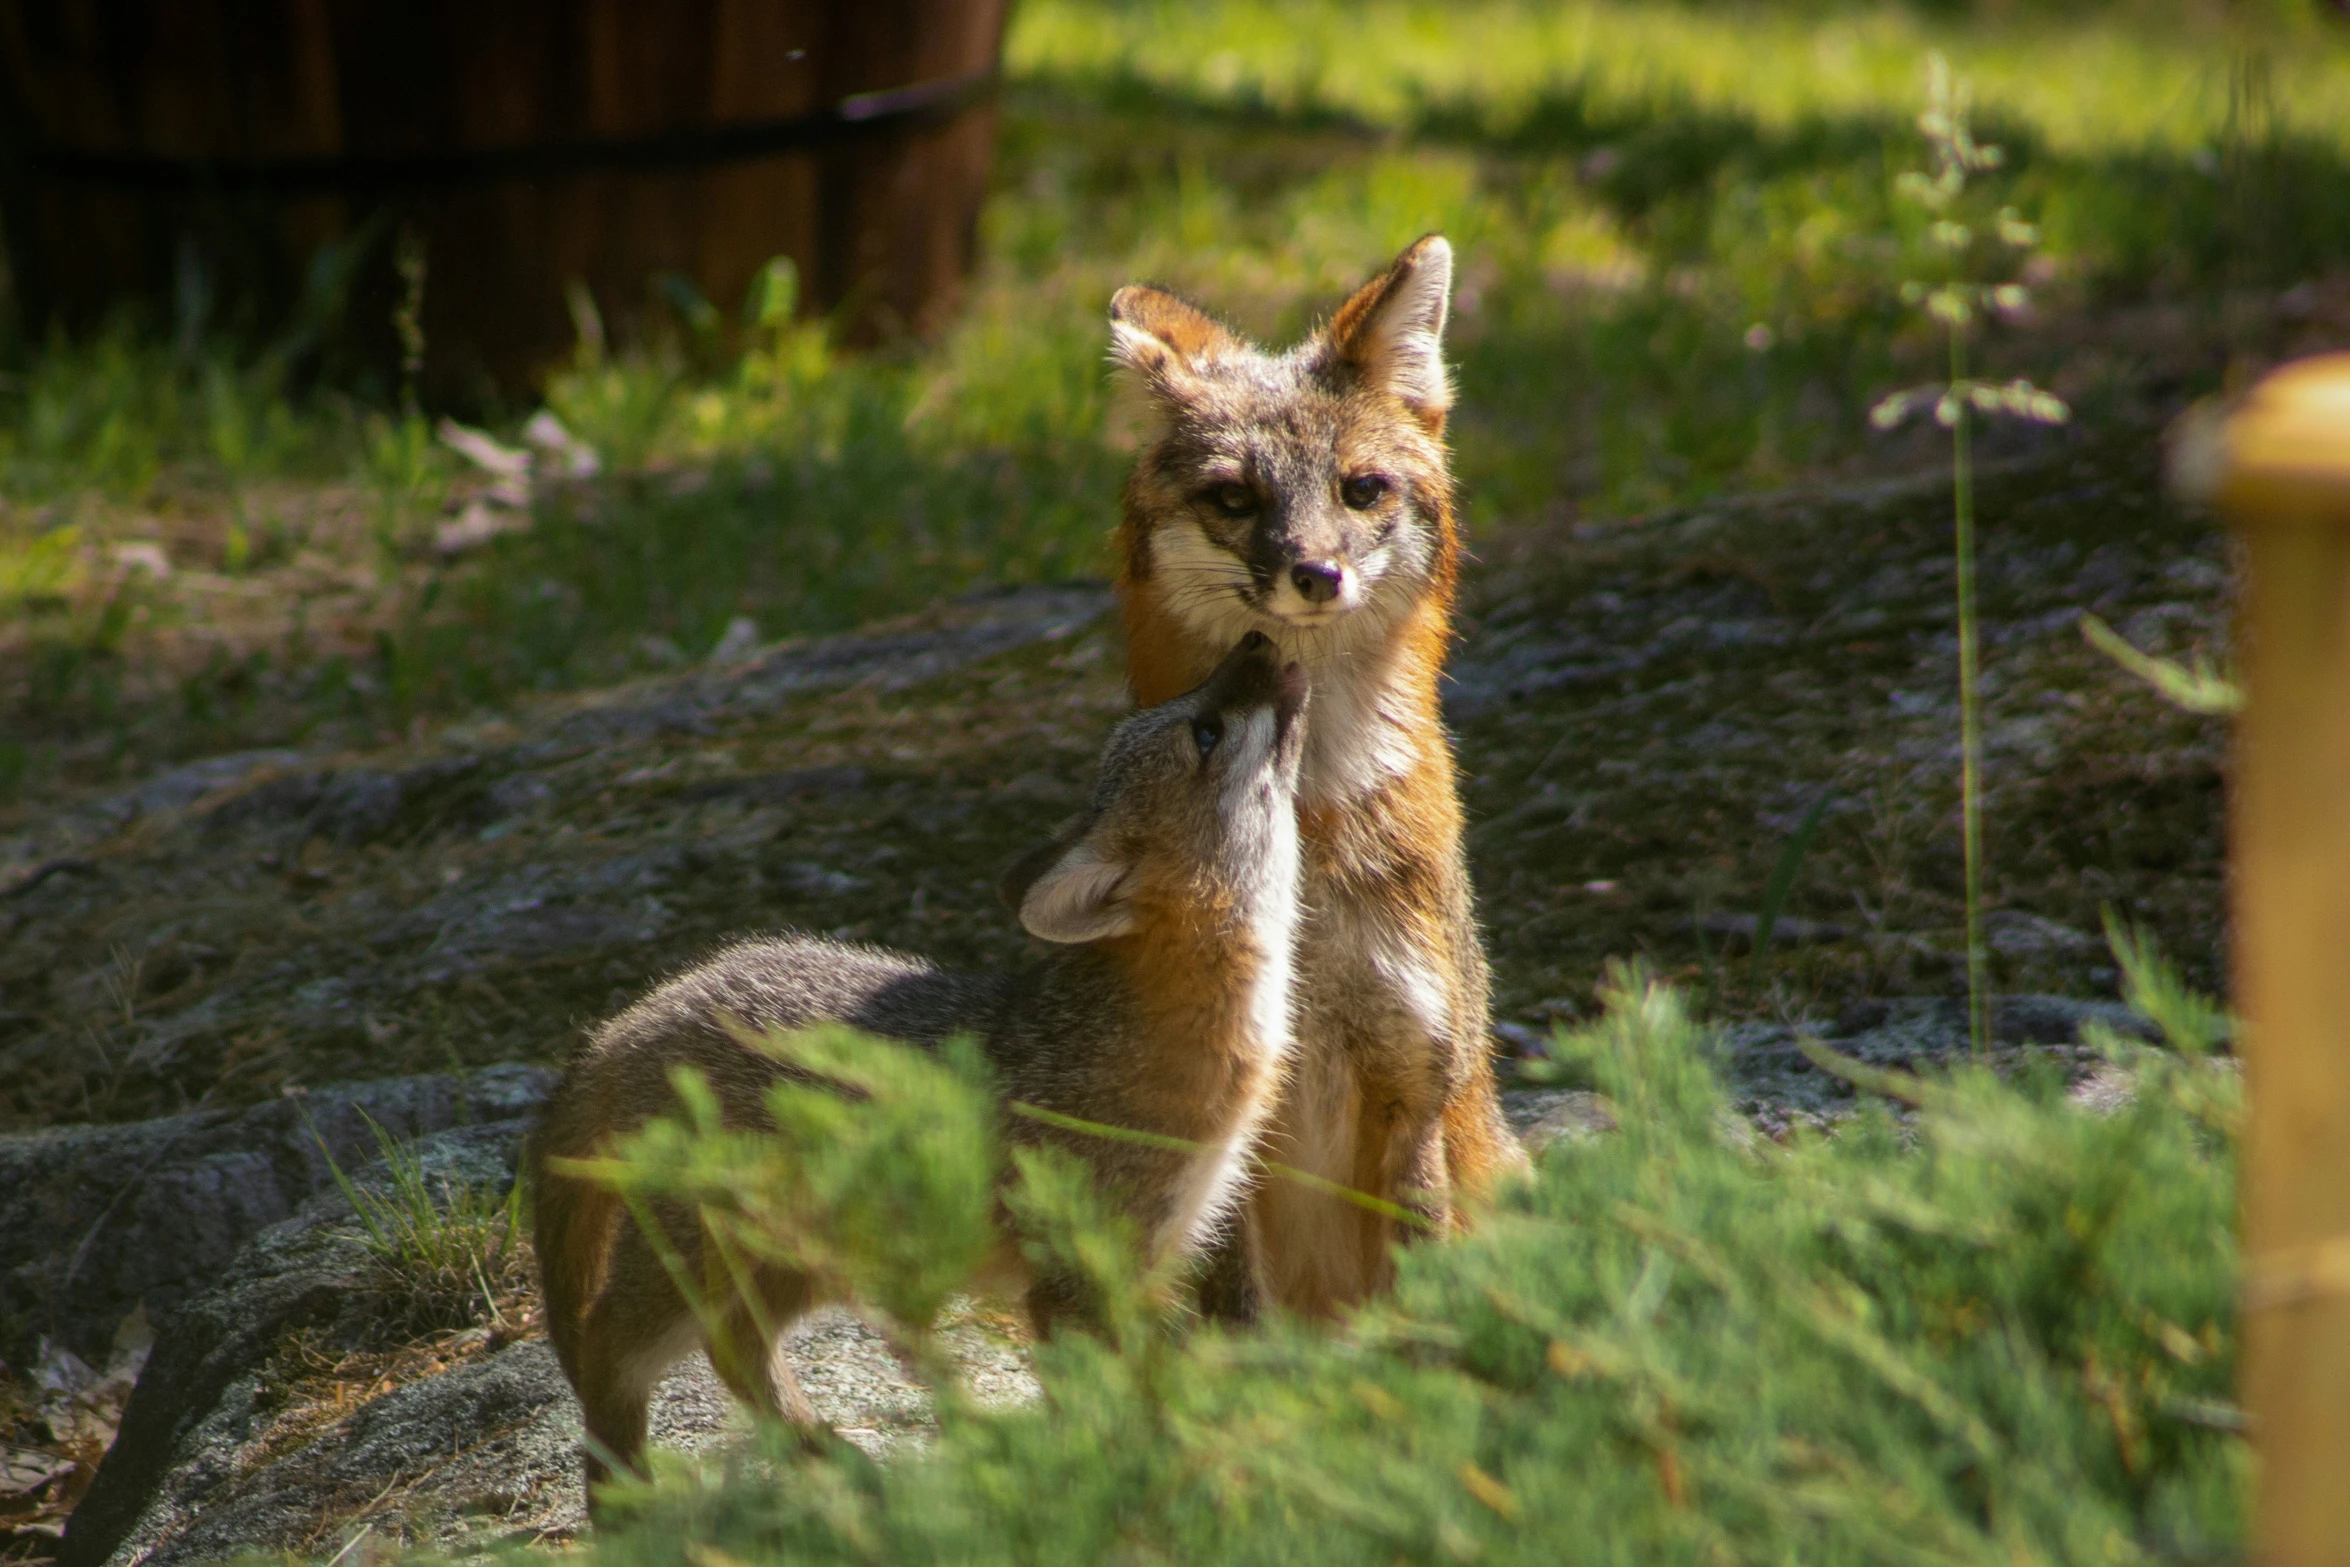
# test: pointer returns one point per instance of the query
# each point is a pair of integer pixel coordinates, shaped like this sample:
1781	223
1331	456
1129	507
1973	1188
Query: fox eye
1234	500
1363	491
1205	732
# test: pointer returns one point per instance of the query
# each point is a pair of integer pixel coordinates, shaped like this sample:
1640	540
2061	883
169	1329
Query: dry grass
309	1385
57	1419
449	1252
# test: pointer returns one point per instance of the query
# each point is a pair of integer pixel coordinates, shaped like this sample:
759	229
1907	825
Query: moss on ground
1645	712
480	895
1650	710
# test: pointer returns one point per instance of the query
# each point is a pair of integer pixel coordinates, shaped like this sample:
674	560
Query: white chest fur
1218	1174
1360	734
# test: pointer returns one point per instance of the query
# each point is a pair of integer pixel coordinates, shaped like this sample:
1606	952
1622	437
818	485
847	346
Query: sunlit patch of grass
2086	79
119	412
1679	249
449	1252
39	568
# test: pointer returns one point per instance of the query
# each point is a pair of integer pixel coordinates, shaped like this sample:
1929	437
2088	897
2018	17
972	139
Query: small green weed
450	1252
1782	882
2196	687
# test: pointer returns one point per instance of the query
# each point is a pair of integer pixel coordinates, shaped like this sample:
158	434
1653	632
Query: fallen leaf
483	450
476	525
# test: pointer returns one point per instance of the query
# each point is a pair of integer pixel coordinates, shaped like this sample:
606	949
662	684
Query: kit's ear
1164	340
1392	331
1068	891
1079	898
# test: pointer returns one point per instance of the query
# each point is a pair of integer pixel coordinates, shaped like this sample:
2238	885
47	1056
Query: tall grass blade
1970	703
1160	1140
379	1239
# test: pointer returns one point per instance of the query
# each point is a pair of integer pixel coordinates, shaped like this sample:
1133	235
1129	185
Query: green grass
449	1252
2088	80
1999	1330
1680	251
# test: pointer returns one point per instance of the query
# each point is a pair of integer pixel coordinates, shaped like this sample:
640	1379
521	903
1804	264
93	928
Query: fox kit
1166	1009
1306	495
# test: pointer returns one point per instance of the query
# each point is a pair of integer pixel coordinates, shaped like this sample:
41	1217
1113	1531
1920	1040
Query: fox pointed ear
1162	339
1079	898
1068	891
1392	330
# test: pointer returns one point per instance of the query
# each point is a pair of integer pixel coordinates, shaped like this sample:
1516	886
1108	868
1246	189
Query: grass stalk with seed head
1954	299
1970	705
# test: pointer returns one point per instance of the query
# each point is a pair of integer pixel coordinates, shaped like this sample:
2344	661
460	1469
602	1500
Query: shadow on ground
1646	712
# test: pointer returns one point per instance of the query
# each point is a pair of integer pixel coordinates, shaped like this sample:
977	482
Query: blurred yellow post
2280	470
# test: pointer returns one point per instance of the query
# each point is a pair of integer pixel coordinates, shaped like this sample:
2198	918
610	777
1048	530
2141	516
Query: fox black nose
1317	581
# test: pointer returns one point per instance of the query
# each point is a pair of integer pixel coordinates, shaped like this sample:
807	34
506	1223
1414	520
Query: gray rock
1772	1081
1543	1116
1898	1031
186	1432
486	1447
357	804
348	805
1737	931
774	788
51	843
206	1466
886	658
2016	934
483	1454
539	911
95	1220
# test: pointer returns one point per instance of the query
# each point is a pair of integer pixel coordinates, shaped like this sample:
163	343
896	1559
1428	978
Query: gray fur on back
794	981
620	1078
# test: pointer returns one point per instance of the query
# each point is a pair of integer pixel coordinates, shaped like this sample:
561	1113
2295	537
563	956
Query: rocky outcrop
281	1409
227	928
201	1402
1775	1085
356	803
1646	715
97	1220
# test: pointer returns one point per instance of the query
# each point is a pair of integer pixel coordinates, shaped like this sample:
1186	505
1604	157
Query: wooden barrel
197	154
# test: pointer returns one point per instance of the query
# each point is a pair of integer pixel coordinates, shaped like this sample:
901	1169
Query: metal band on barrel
861	115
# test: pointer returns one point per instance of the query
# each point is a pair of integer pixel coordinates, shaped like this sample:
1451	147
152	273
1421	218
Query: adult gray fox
1307	495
